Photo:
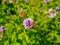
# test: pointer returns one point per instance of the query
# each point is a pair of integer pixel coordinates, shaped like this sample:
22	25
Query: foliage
46	30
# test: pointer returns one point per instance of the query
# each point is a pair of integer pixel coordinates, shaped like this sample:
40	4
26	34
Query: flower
28	23
4	0
10	1
57	8
51	13
2	29
46	1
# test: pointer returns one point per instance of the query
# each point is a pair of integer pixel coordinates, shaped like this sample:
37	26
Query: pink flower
46	1
2	29
4	0
28	23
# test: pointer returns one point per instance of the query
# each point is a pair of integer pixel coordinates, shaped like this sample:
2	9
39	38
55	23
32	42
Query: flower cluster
4	0
51	13
2	29
57	8
46	1
10	1
28	23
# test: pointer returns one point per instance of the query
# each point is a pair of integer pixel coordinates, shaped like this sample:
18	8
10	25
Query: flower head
4	0
10	1
51	13
28	23
46	1
2	29
57	8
